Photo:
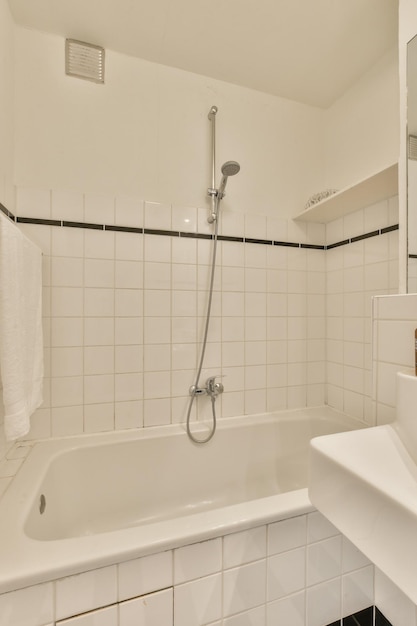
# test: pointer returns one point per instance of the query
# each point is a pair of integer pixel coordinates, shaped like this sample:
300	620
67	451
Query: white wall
7	101
145	132
362	127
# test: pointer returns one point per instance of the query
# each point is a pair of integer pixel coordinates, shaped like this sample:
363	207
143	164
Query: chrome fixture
212	389
230	168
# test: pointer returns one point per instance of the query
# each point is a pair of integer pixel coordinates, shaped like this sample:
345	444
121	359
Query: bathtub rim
26	561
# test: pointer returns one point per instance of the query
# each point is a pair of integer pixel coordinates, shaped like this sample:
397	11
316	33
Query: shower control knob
213	388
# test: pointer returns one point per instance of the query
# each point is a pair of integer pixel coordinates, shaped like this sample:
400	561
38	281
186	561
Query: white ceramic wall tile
400	351
128	387
99	273
67	242
99	331
99	302
324	560
128	414
128	246
102	617
98	389
184	218
98	360
33	202
67	421
157	216
99	244
67	272
244	547
129	211
319	527
254	617
99	208
157	248
67	205
357	590
198	602
286	573
324	603
289	611
145	575
32	606
67	391
197	560
287	534
157	412
184	250
67	301
84	592
244	587
150	610
128	302
400	307
157	276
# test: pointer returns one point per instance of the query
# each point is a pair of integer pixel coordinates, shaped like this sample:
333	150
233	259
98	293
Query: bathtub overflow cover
42	504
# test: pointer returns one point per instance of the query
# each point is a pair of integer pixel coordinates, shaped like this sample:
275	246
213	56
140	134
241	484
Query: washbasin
365	483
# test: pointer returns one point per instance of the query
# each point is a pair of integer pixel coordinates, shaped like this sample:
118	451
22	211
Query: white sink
365	483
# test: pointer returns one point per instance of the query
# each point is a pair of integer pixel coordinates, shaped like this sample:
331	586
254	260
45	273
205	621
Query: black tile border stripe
35	220
265	242
124	229
373	233
83	225
190	235
7	212
412	256
287	244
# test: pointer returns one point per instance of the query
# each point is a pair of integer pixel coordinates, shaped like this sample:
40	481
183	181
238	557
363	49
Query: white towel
21	341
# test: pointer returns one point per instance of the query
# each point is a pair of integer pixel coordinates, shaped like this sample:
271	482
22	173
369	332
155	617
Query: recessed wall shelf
375	188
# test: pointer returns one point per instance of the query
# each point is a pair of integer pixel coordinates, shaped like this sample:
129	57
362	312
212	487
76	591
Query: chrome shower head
230	168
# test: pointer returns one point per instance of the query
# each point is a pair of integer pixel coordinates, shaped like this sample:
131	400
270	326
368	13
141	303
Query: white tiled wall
124	314
355	273
393	317
297	572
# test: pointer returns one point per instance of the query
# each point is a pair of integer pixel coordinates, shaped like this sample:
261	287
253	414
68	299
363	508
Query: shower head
230	168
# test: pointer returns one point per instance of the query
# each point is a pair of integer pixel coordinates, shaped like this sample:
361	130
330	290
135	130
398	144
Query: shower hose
203	349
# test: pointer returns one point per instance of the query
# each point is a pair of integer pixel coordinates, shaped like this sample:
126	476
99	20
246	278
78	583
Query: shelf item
375	188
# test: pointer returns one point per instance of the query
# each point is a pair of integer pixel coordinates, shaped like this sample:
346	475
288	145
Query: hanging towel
21	341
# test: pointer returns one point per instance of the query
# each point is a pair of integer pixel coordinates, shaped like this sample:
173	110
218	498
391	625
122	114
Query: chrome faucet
211	389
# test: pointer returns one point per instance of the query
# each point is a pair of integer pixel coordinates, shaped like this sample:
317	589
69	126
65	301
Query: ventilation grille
84	60
412	147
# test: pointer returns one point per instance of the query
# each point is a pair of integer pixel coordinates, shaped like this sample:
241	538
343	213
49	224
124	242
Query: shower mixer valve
211	389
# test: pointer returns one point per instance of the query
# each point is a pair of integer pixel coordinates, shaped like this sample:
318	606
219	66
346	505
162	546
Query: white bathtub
112	497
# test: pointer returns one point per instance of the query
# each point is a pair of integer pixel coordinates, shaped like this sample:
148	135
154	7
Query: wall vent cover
412	147
84	60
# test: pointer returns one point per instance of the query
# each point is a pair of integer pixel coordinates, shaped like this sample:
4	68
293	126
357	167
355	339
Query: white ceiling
311	51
